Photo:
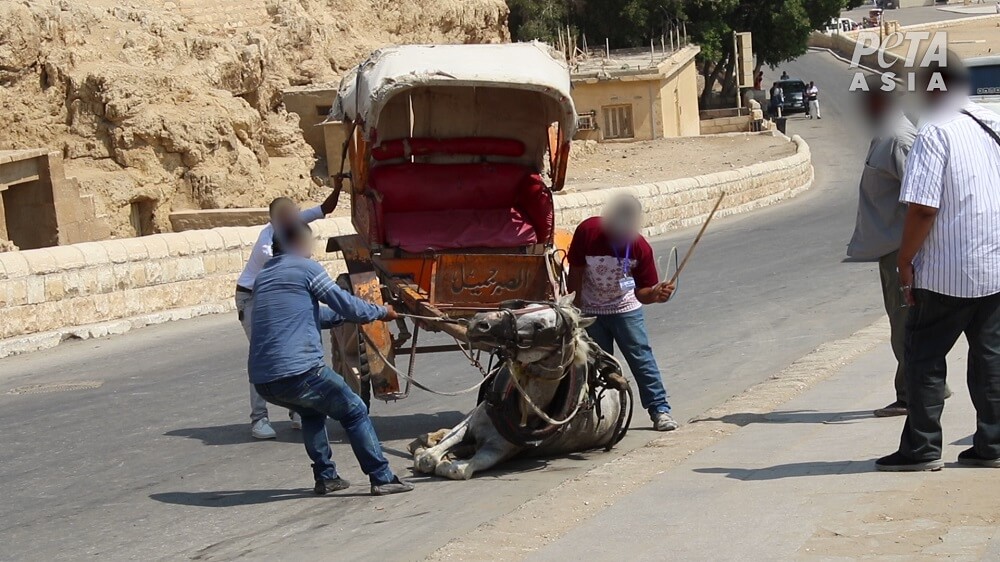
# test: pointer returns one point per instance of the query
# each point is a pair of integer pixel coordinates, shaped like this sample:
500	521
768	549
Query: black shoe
397	486
897	408
324	487
896	462
971	457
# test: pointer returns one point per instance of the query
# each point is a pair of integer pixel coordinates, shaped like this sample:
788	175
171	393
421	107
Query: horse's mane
582	340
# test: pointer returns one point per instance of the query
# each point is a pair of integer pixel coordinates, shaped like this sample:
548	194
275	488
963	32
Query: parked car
795	96
985	74
841	25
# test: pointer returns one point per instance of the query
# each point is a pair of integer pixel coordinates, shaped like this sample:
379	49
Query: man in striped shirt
949	269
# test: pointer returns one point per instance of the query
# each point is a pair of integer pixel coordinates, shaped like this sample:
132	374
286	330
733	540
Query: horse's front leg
427	460
487	456
491	449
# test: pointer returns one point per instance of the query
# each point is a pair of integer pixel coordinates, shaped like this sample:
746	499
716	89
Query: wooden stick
697	239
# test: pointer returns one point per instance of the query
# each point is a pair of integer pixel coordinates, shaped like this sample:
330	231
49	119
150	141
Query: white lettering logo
882	54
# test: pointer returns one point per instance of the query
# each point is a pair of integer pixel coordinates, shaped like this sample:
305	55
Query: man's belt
242	289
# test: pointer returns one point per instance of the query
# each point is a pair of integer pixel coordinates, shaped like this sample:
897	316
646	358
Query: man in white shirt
283	211
812	96
949	270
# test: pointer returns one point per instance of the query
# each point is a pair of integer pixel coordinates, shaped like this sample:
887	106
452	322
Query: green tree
536	19
780	28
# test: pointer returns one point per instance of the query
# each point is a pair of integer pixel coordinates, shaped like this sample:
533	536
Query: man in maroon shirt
613	273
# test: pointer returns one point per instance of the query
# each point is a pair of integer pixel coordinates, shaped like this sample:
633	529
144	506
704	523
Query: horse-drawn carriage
451	158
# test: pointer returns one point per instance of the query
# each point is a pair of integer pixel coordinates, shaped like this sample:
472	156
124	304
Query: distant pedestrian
777	100
294	299
784	75
758	80
282	211
613	273
949	269
812	96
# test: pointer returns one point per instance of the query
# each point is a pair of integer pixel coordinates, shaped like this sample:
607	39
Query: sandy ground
620	164
975	38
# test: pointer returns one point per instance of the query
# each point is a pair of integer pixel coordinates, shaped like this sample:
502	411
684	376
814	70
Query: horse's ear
567	300
587	321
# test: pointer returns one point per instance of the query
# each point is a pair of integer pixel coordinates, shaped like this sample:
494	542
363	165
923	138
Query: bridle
557	338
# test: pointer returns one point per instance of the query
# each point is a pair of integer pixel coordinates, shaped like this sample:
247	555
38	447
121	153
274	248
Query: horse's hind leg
427	460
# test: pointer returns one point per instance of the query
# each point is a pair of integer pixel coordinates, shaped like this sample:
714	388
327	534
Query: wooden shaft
697	239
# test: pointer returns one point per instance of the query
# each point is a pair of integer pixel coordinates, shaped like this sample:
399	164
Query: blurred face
304	247
622	219
285	214
876	105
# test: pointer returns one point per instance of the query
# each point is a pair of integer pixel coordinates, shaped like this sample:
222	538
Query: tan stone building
40	206
311	104
637	95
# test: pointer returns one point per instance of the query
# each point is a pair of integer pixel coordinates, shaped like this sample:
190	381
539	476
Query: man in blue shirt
294	298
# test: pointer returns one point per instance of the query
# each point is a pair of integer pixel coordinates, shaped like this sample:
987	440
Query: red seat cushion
463	228
439	206
442	187
473	146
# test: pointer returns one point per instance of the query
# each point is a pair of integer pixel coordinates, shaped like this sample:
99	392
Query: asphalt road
157	463
910	16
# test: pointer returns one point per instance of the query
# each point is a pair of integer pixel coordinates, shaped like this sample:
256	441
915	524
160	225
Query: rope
415	382
429	318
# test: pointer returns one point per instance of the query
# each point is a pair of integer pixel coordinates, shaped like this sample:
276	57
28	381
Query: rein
416	383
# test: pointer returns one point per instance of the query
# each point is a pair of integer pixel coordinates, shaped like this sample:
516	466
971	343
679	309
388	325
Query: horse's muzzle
489	328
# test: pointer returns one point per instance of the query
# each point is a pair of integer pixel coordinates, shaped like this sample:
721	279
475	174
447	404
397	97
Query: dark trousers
934	325
893	301
314	396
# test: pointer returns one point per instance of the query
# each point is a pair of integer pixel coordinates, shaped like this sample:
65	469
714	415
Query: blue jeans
314	396
628	330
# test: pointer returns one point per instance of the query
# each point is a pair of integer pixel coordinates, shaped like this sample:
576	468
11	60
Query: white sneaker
262	429
296	420
662	421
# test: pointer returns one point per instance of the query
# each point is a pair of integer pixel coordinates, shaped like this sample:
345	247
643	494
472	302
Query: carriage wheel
350	355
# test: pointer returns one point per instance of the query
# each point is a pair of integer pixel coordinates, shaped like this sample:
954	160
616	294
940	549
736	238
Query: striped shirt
954	167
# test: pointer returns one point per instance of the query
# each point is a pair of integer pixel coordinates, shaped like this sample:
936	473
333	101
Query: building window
618	122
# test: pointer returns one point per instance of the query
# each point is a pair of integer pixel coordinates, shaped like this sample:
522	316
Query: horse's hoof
453	470
425	463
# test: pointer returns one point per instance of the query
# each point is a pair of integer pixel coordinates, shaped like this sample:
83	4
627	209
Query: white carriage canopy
504	91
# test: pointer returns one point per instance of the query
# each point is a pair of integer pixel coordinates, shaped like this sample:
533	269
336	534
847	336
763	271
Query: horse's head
548	334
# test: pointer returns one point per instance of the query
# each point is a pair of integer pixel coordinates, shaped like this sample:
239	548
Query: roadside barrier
94	289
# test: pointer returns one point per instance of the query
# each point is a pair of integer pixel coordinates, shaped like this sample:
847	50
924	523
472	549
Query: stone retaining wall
182	221
99	288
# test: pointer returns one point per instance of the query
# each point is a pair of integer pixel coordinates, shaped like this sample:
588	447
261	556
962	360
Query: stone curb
113	286
48	340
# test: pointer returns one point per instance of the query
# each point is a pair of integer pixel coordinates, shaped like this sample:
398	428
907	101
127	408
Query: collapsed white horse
557	393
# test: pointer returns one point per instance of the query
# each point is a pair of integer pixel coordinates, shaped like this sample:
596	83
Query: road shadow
388	428
232	498
234	434
410	426
965	441
791	416
793	470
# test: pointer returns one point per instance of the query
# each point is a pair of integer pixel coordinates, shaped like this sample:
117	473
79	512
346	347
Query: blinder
541	337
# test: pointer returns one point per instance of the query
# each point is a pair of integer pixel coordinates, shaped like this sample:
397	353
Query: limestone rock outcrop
179	102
